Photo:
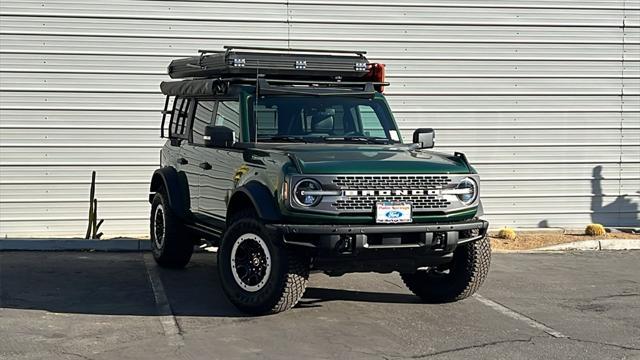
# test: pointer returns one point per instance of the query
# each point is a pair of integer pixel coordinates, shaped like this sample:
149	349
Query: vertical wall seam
624	16
288	25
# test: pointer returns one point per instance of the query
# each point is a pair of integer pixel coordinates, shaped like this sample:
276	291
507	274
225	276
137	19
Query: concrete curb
586	245
67	244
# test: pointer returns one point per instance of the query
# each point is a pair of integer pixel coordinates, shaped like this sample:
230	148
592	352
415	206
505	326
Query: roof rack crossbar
229	48
367	88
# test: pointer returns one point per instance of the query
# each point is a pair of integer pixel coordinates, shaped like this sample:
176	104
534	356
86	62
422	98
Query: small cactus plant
595	230
507	234
94	224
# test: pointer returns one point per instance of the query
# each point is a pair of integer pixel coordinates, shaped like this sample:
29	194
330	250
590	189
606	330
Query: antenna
255	104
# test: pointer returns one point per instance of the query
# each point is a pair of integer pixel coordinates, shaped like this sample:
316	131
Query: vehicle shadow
315	296
118	284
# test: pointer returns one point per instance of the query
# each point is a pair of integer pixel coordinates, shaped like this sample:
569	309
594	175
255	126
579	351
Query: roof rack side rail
308	82
302	82
264	85
204	51
229	48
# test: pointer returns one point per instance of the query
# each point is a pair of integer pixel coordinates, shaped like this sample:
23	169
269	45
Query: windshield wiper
364	139
283	138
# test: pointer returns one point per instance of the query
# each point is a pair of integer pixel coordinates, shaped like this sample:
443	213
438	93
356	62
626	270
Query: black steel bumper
370	246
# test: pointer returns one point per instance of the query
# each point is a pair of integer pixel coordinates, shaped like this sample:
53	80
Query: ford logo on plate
393	214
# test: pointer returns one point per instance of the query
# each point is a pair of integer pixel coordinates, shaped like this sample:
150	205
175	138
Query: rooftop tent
282	63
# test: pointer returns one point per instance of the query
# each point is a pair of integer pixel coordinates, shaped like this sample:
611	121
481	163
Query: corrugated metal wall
542	95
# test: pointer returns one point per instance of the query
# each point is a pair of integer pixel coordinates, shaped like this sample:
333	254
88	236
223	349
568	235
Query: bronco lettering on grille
415	192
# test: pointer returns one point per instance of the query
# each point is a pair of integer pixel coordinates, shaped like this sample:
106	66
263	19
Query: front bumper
369	246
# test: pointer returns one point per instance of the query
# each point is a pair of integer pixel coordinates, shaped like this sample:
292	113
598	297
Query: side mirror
424	137
218	136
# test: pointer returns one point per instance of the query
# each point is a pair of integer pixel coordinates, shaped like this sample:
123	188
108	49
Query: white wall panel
542	95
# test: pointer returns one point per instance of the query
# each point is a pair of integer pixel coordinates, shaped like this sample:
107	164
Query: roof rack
209	87
284	63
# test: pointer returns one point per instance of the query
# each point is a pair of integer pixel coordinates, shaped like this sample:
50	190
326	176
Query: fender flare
262	200
177	188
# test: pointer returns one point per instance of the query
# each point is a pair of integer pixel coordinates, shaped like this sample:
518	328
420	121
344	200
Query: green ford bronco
290	161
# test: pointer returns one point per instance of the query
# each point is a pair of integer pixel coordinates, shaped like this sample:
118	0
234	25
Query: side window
178	125
228	115
371	125
202	117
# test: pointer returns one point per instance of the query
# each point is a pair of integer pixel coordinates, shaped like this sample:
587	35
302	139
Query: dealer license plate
393	212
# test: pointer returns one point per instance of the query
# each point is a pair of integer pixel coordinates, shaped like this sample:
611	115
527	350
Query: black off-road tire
171	246
467	272
288	277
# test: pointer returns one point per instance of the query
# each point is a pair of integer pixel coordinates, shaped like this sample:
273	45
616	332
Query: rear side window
202	117
179	126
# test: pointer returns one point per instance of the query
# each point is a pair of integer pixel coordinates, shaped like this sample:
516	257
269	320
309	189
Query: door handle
205	166
183	161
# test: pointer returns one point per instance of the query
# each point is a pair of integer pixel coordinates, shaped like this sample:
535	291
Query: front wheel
258	274
454	281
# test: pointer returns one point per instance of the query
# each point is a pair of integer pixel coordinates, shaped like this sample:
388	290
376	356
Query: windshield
321	119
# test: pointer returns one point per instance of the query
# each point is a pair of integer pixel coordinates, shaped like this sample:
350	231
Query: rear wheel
454	281
171	243
258	274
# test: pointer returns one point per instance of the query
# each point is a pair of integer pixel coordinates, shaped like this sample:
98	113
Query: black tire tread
294	278
178	246
295	283
476	258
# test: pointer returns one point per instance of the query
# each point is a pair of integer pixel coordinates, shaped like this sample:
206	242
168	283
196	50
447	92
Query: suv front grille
391	182
366	203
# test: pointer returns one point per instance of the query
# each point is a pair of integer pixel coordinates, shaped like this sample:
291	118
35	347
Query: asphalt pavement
96	305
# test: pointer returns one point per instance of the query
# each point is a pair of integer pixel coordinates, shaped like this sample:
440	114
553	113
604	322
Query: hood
371	159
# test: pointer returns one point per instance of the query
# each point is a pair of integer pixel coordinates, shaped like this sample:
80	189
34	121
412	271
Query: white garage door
542	95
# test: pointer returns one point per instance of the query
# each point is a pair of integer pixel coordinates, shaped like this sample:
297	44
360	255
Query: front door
193	152
218	182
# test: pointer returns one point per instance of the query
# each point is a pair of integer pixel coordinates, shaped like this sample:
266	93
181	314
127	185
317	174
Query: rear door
184	158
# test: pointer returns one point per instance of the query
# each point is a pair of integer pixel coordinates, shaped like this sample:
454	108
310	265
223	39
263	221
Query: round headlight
301	193
468	190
